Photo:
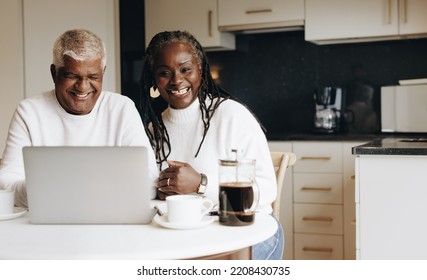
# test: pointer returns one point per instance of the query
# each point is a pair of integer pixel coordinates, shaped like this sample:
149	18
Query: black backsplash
276	74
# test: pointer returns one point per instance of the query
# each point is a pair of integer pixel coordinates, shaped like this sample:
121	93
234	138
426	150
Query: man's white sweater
41	121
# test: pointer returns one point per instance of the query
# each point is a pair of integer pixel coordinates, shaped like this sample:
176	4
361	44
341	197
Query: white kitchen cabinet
320	200
318	157
412	17
318	218
307	247
349	200
199	17
307	188
334	21
317	194
391	206
238	15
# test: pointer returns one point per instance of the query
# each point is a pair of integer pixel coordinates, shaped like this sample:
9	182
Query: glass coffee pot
238	191
328	115
326	118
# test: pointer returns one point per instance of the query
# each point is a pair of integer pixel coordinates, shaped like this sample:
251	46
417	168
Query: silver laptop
88	185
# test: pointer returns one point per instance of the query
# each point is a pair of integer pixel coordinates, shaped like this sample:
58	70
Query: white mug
7	201
187	209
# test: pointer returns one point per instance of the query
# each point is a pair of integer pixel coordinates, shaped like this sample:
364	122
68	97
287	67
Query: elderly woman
201	124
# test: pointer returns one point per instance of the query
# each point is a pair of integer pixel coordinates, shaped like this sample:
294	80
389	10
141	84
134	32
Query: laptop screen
88	185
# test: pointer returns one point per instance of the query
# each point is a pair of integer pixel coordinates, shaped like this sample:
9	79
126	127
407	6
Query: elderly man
76	113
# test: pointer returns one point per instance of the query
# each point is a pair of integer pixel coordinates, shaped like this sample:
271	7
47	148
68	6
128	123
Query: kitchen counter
320	137
393	146
339	136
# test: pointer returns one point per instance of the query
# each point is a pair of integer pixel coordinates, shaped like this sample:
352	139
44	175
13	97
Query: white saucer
17	212
163	221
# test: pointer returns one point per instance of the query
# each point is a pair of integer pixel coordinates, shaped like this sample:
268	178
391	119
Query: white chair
281	161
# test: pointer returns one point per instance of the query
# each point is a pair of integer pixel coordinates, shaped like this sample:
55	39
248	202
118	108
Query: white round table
19	239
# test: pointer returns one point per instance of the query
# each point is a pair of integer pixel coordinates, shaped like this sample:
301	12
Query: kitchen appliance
329	105
404	108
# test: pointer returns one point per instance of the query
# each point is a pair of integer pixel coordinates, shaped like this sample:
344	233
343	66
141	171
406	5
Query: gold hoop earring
154	92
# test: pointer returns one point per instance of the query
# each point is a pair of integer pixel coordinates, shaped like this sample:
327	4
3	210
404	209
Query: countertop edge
393	146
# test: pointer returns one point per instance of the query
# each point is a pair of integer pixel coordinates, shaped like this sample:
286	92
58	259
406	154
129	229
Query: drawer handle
353	222
315	158
210	23
405	11
316	249
388	12
318	219
353	177
259	11
323	189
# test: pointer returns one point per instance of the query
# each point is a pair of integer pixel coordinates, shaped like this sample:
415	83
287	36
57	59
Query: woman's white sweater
232	127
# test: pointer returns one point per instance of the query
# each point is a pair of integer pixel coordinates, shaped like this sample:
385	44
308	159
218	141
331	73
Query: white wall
45	20
11	63
28	29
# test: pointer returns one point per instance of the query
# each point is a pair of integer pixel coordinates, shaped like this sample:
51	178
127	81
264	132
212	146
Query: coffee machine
329	110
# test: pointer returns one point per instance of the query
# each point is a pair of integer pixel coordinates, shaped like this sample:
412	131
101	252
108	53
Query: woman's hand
178	178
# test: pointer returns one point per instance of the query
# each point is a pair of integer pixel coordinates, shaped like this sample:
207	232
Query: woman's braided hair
209	94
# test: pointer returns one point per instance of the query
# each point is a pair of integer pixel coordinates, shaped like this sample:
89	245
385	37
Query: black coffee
235	199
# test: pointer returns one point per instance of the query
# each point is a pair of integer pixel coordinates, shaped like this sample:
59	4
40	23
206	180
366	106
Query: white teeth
81	94
182	91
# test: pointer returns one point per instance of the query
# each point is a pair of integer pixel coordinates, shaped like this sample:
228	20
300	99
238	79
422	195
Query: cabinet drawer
318	157
318	247
163	15
318	218
318	188
244	12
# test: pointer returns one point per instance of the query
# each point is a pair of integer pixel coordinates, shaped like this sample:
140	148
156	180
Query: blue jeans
272	248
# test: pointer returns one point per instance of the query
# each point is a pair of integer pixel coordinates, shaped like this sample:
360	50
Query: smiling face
78	84
177	74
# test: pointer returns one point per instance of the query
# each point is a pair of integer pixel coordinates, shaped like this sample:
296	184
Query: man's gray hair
79	44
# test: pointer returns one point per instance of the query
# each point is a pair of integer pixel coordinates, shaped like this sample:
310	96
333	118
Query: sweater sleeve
12	175
134	135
